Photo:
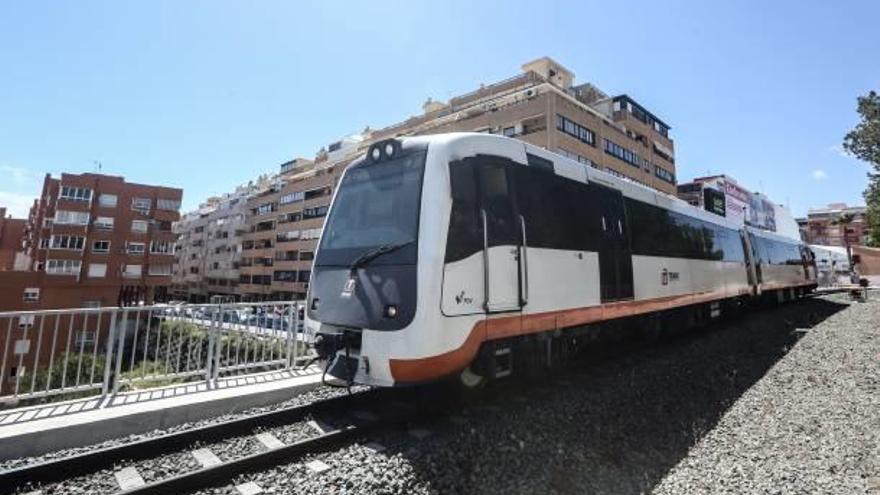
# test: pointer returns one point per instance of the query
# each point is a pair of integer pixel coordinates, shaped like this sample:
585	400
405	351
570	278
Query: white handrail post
105	387
121	336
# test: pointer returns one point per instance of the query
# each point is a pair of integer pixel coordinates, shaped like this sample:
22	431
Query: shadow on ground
613	427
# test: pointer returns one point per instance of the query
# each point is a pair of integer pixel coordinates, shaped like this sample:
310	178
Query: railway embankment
784	400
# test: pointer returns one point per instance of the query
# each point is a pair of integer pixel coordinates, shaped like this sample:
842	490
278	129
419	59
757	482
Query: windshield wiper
372	254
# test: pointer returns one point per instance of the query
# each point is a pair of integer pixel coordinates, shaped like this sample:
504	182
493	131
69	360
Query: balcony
265	226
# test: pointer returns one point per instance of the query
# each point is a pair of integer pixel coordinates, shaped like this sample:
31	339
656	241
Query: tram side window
497	201
651	229
557	210
778	253
716	242
465	235
733	246
660	232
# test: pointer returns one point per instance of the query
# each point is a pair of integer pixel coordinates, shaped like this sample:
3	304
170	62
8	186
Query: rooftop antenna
97	166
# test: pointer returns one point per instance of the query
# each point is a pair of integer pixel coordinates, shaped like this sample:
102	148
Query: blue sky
206	95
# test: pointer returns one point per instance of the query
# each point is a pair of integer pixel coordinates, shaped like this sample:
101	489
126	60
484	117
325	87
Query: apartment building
285	222
11	237
544	107
95	240
823	226
209	247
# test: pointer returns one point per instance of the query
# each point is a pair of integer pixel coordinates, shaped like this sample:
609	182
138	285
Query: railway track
333	423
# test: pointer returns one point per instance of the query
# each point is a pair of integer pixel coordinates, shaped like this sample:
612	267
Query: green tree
864	143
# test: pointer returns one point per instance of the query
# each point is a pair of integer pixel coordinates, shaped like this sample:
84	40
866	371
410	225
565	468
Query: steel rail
223	473
92	461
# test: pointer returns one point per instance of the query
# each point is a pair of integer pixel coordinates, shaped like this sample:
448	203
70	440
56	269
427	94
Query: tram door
615	257
501	237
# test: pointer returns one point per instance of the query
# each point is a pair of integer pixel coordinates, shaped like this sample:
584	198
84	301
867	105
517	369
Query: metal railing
90	351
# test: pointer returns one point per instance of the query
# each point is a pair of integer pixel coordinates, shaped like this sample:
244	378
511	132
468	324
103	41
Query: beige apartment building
209	246
542	106
283	226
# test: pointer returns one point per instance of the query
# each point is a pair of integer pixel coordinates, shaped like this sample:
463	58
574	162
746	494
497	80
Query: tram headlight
389	150
376	154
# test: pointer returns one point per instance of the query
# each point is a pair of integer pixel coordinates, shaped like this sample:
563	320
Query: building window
508	131
139	226
575	130
66	217
265	208
317	193
63	267
306	256
101	247
167	204
303	276
316	212
107	200
622	153
292	197
161	247
287	236
75	243
310	234
285	276
97	270
47	222
160	270
661	129
141	205
664	174
76	193
31	294
104	223
22	346
135	248
290	217
44	243
92	304
132	271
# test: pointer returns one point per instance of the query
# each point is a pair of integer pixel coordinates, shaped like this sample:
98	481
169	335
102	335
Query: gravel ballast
784	400
811	425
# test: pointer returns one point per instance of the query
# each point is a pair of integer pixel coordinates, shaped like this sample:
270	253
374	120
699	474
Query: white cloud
819	174
16	175
16	204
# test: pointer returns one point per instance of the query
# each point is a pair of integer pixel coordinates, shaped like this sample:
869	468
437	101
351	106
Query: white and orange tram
462	254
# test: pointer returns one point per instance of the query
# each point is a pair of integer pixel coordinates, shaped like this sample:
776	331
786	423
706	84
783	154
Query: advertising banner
737	200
